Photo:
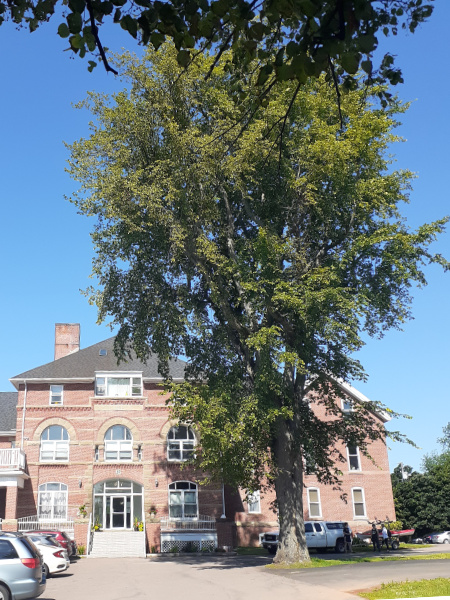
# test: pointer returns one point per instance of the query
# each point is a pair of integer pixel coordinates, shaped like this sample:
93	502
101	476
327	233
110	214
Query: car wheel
4	594
272	549
446	541
340	546
395	545
46	571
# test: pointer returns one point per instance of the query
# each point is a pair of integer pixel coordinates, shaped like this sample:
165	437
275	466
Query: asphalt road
226	578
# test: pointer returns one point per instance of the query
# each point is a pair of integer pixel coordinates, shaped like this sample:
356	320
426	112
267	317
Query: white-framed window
118	385
183	500
54	444
347	405
254	503
180	443
314	506
354	461
118	444
56	395
359	504
52	501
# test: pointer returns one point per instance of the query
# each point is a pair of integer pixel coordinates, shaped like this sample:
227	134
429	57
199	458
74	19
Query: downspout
224	516
23	415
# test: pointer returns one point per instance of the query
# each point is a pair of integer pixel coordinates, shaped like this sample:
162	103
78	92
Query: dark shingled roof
8	411
84	363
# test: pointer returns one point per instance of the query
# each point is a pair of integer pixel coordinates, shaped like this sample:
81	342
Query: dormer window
118	385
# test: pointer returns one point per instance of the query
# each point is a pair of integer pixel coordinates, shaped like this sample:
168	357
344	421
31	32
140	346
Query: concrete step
115	544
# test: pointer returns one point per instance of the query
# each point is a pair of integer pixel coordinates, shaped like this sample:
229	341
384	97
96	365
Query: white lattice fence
188	546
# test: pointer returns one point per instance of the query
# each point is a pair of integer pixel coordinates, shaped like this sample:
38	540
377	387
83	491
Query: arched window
183	500
52	501
180	443
118	443
54	444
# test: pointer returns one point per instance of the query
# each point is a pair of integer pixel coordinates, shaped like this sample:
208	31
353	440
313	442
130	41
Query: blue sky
46	252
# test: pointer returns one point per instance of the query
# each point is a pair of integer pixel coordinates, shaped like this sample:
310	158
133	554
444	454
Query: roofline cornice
16	381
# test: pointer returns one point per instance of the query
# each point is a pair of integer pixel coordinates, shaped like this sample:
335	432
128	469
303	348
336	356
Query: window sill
119	397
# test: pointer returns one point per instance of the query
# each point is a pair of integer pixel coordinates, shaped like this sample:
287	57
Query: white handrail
89	536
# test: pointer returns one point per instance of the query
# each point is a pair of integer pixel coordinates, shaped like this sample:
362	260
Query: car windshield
45	541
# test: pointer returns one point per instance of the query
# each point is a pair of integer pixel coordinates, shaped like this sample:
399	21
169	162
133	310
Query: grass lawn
410	589
322	562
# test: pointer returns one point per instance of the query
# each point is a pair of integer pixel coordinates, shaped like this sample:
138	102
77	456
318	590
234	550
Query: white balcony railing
36	523
203	523
12	458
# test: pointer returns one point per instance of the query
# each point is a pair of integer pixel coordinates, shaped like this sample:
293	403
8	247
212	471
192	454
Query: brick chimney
67	339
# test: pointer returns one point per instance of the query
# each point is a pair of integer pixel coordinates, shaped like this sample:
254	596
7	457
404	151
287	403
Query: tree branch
98	43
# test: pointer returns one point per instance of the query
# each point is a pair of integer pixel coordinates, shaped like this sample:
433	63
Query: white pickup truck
319	535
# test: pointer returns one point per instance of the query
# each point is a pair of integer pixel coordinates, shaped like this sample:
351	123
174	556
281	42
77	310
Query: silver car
442	537
21	573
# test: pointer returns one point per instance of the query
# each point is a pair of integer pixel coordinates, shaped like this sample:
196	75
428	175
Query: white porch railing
203	523
36	523
12	458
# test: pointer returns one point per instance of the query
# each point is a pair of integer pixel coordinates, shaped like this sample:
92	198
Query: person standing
385	536
347	538
375	538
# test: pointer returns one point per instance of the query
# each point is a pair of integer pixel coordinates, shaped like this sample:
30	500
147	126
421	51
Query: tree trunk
289	490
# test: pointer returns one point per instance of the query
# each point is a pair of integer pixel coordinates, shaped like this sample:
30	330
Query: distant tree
263	269
400	473
421	500
281	40
445	439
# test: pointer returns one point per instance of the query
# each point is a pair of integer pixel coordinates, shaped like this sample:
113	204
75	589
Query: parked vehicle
319	535
442	537
21	568
62	537
56	559
427	538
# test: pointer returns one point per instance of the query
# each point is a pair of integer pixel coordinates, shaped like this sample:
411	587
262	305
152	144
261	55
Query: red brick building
87	443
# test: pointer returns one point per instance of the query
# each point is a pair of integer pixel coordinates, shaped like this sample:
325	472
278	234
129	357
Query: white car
56	559
440	538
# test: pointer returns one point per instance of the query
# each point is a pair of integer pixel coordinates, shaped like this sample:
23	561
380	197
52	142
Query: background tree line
422	499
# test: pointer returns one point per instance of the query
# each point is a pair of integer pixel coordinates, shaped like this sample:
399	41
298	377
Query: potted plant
82	511
152	510
97	526
138	525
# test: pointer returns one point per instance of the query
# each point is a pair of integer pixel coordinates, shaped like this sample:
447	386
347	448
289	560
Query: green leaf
76	41
366	65
129	24
183	58
77	6
156	39
92	65
350	62
264	74
63	30
75	22
367	43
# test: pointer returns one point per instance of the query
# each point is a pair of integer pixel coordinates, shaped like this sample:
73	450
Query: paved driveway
224	578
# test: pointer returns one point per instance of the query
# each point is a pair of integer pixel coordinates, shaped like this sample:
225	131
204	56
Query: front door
118	512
